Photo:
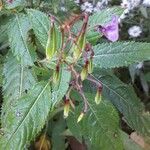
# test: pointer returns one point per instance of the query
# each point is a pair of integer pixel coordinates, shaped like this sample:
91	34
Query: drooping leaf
126	101
104	16
17	81
18	34
27	118
99	127
118	54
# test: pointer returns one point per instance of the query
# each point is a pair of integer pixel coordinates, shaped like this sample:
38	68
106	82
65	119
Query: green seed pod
79	45
56	75
51	42
84	73
66	108
80	117
90	66
98	96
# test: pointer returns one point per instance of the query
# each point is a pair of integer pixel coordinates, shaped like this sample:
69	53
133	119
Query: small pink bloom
111	30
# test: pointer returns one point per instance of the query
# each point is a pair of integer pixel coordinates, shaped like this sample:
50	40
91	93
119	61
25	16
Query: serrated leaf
17	81
41	24
99	126
126	101
18	34
118	54
14	4
27	118
104	16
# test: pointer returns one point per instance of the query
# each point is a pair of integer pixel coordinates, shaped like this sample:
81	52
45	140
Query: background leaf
99	127
118	54
17	81
18	34
126	101
27	118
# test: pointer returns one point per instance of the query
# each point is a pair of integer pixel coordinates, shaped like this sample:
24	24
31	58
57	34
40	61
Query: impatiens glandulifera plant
58	79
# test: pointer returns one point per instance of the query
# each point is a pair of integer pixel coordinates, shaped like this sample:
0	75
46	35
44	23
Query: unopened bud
66	108
51	42
98	96
56	75
90	66
80	117
84	72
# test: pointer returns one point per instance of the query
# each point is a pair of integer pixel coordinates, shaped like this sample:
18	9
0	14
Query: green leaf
41	24
118	54
18	34
128	143
104	16
126	101
17	81
27	118
99	127
14	4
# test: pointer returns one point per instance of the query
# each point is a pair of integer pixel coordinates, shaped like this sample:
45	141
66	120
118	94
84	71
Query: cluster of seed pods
80	49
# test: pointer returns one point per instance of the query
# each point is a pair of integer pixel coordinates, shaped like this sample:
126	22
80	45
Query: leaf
126	101
57	126
27	118
40	24
99	126
14	4
18	34
128	143
104	16
17	81
118	54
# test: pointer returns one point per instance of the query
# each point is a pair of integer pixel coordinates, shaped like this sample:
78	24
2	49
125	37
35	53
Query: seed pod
51	42
98	96
66	108
56	75
90	66
81	41
84	72
80	117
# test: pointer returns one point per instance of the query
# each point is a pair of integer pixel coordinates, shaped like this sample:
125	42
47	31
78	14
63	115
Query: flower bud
81	41
66	108
51	42
98	96
80	117
84	72
56	75
90	66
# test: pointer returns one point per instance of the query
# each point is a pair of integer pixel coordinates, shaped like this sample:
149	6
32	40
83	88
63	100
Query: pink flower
110	30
